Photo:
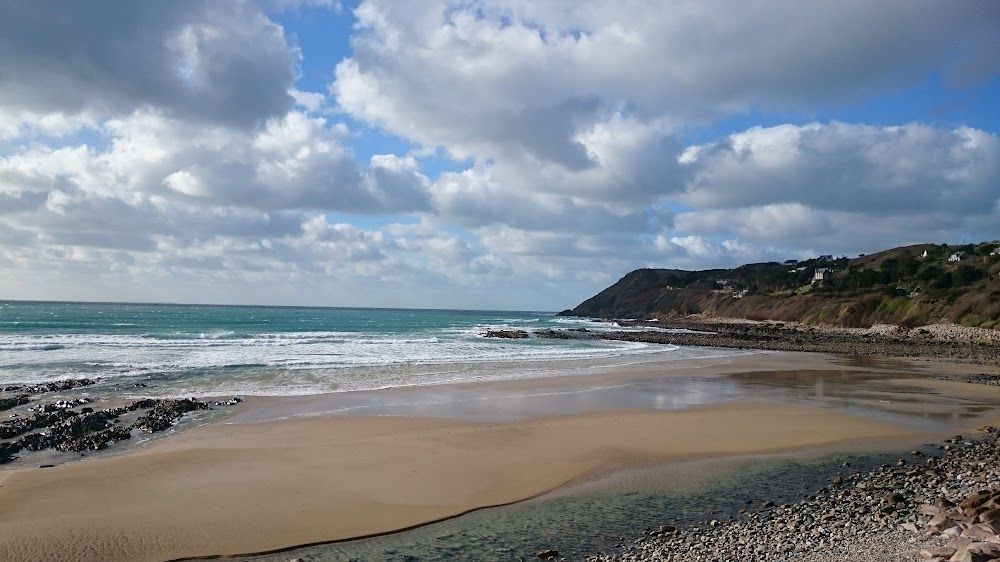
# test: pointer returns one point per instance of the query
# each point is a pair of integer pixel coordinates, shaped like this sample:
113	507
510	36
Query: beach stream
594	516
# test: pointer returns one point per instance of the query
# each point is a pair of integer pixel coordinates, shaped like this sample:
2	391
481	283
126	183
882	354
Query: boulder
975	500
937	552
977	552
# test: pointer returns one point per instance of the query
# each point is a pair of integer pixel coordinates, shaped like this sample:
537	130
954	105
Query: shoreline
392	473
212	476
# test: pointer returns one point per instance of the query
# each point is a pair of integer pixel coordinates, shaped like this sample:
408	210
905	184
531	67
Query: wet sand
252	487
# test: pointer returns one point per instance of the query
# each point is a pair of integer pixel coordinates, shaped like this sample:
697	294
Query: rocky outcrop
552	335
20	425
55	386
505	334
57	426
164	413
778	336
24	392
13	402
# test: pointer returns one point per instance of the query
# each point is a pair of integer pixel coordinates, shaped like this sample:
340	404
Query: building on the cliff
996	251
822	274
957	257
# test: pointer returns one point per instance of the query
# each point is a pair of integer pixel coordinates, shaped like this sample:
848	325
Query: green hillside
912	286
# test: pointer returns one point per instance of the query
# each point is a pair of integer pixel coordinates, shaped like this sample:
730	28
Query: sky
482	154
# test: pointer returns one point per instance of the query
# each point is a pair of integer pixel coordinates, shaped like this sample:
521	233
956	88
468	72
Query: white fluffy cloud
494	78
844	186
180	158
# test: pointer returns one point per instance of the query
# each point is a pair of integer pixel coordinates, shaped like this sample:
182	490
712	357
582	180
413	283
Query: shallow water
859	393
595	517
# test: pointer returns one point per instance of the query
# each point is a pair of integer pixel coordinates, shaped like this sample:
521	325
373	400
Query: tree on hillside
967	274
901	267
984	249
930	273
943	281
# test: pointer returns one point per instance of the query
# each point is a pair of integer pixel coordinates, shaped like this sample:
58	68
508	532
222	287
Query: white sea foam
213	362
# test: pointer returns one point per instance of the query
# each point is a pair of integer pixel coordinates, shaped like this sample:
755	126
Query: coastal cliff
909	286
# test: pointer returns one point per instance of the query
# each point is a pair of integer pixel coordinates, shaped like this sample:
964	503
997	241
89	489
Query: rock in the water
13	402
507	334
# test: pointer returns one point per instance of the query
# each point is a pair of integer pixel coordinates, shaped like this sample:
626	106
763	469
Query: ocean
170	350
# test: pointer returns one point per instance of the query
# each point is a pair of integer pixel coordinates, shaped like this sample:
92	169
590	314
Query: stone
989	516
940	522
993	526
977	552
953	532
894	498
547	554
937	552
975	500
978	533
928	509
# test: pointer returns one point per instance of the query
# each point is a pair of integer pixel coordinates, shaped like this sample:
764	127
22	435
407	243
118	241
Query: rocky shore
942	506
36	426
938	341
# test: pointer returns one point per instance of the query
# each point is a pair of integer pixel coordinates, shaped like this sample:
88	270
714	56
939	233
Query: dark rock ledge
61	427
779	336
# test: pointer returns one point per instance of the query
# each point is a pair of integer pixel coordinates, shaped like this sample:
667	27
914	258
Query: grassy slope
862	291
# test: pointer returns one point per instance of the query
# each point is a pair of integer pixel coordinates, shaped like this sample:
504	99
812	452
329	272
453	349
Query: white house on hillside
996	251
957	256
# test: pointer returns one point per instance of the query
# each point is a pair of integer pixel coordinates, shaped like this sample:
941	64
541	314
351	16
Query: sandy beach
237	488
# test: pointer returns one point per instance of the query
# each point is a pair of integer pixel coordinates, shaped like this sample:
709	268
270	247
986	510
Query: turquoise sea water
195	350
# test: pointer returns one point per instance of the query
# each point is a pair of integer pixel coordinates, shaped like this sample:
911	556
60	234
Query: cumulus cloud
844	186
194	59
493	78
183	153
848	167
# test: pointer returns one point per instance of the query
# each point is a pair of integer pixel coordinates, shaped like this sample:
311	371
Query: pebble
896	512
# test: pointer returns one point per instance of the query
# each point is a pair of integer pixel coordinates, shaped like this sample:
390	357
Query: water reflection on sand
868	393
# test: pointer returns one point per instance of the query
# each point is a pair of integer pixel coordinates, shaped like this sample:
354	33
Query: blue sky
495	154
